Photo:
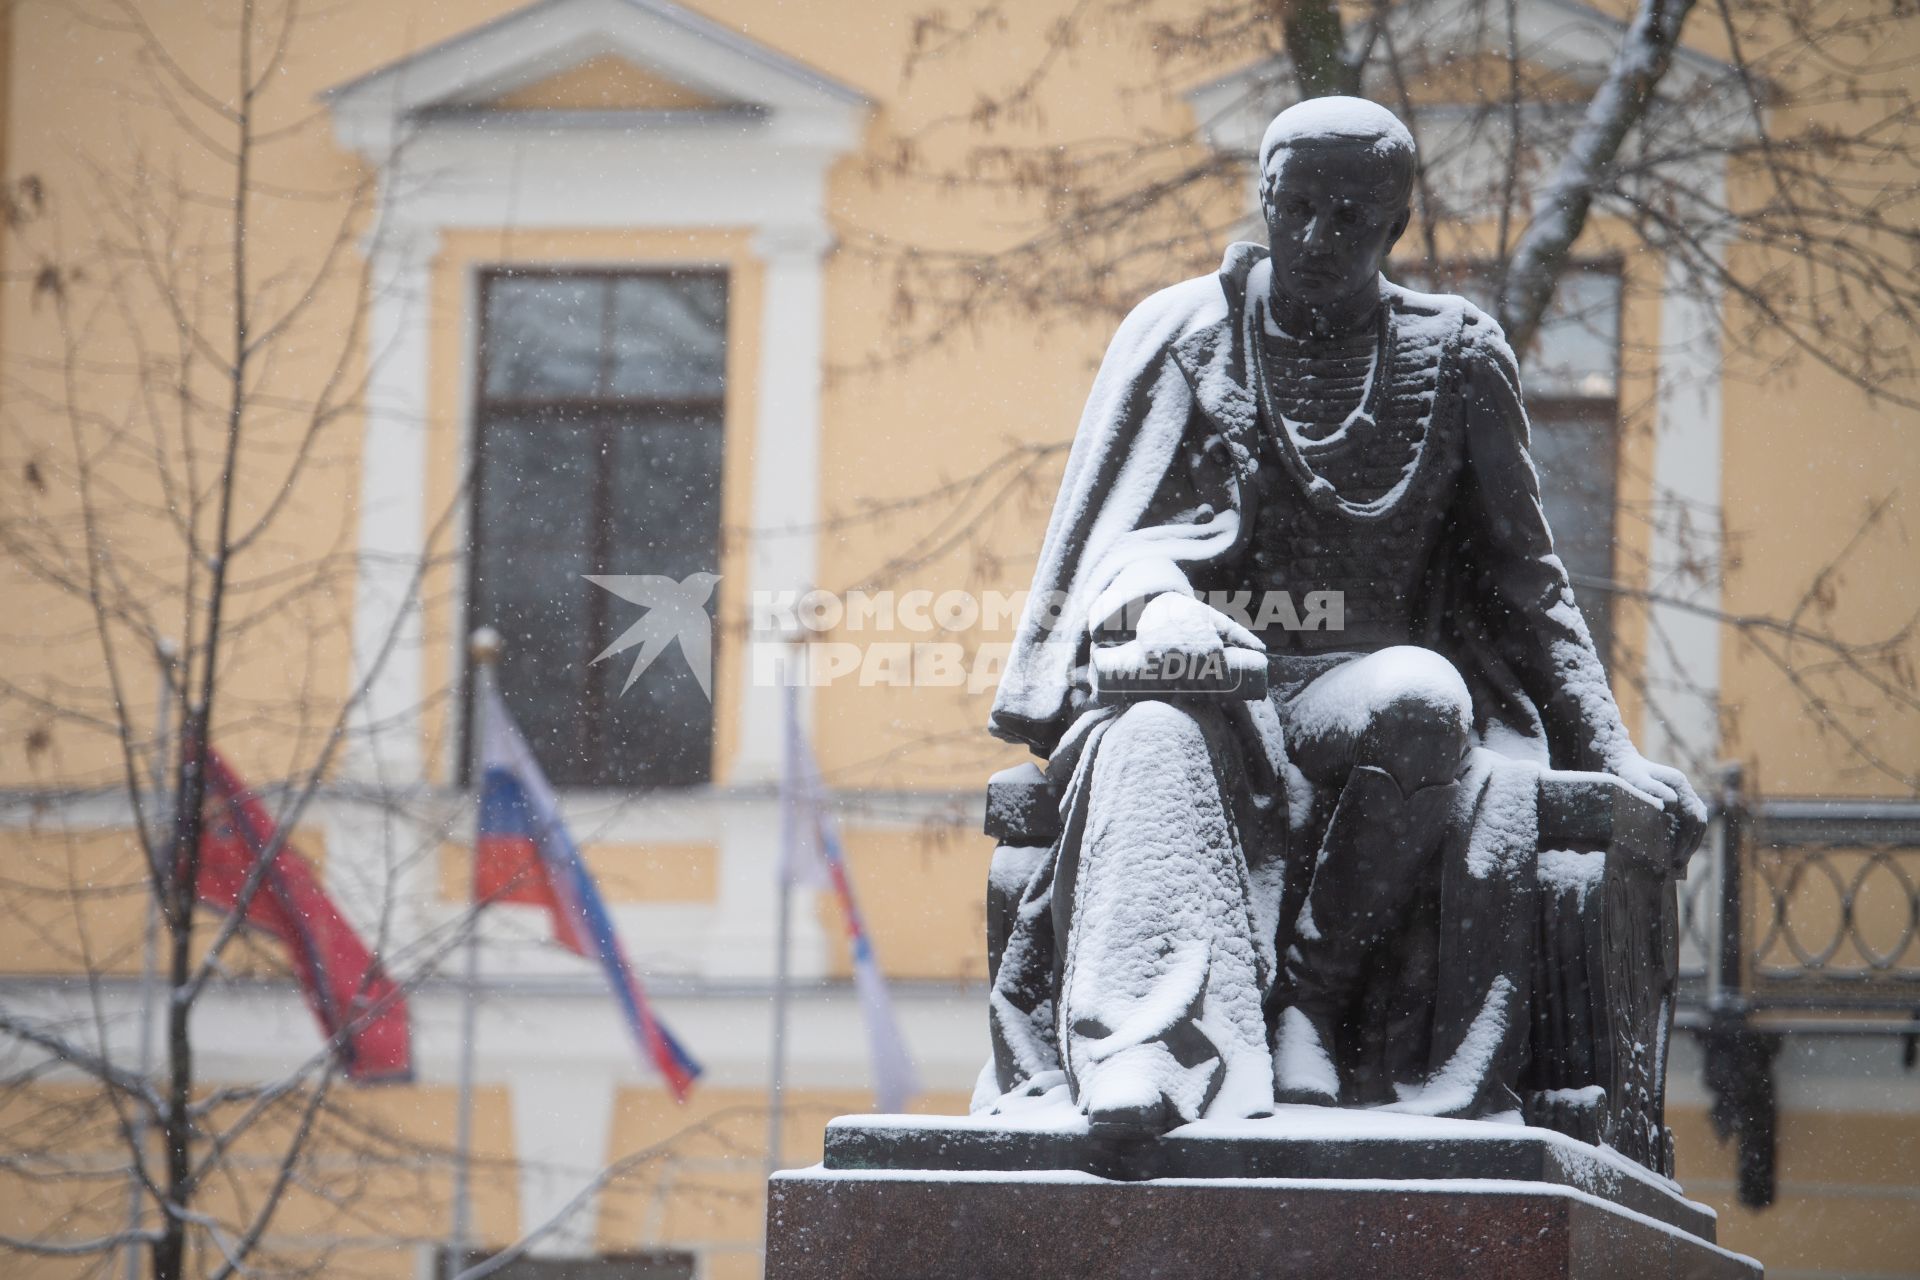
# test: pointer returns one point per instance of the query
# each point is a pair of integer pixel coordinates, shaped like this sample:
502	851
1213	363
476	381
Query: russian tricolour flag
526	855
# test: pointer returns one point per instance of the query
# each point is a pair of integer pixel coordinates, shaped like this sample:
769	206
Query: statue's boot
1377	844
1122	1103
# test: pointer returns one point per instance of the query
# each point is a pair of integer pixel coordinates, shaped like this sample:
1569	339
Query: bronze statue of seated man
1296	859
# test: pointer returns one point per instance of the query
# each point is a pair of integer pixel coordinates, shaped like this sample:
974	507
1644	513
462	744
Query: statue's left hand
1182	647
1675	795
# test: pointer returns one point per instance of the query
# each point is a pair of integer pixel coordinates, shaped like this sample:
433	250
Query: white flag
803	862
811	856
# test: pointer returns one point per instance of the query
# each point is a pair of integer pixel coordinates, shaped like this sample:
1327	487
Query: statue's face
1333	211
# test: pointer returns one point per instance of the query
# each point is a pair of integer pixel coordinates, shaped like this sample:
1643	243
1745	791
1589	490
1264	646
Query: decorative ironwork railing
1805	907
1797	916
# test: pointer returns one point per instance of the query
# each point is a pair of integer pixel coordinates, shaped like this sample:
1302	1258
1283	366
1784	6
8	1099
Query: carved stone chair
1605	968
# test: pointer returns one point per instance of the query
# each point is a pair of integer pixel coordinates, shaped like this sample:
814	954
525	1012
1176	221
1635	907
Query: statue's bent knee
1156	731
1419	733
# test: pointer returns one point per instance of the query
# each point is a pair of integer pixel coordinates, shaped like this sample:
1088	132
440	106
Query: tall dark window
1571	377
597	436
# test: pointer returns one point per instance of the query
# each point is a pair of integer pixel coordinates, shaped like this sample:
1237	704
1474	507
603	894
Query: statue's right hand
1182	647
1669	788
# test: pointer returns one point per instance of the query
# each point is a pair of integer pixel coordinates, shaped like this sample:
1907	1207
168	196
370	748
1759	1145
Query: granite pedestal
1310	1193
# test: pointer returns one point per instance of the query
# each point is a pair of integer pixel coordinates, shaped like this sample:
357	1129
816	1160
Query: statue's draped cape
1157	495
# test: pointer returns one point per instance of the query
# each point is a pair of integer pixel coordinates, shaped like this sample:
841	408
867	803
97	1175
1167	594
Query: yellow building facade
469	225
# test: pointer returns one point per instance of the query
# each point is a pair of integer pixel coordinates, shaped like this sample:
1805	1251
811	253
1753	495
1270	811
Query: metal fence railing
1805	907
1798	916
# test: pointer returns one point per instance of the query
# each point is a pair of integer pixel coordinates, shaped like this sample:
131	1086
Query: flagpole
483	653
776	1096
160	821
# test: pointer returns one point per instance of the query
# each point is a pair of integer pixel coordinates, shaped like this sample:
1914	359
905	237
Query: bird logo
675	611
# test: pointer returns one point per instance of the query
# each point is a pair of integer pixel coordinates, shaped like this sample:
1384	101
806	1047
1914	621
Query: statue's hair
1340	120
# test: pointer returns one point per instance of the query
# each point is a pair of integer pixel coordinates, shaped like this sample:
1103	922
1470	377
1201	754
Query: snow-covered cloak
1157	496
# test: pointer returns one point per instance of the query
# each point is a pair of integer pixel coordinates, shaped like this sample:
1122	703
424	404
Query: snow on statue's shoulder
1163	317
1436	315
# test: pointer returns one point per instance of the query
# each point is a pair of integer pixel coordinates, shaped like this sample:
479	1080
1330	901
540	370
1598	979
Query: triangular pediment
588	64
1565	48
602	82
1453	69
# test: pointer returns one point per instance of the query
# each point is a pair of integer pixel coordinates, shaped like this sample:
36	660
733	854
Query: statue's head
1336	177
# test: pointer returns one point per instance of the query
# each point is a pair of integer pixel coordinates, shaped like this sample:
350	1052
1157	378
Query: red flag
358	1006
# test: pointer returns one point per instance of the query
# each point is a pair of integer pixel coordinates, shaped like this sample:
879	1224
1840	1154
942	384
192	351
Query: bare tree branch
1560	211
